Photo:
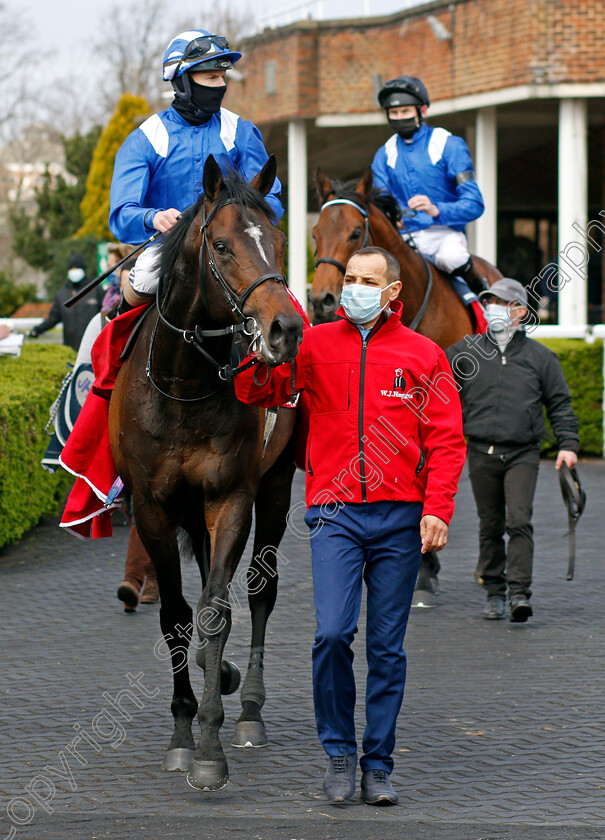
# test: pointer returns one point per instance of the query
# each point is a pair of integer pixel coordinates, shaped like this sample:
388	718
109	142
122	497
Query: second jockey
158	169
430	171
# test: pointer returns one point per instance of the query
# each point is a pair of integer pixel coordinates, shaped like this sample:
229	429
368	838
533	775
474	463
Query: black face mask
405	128
207	99
196	103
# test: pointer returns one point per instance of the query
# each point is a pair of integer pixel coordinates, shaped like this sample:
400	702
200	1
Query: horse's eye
220	248
356	234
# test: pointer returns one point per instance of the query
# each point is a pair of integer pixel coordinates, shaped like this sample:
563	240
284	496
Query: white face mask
498	317
75	274
362	303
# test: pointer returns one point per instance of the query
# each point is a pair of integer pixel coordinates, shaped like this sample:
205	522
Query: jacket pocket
420	464
309	467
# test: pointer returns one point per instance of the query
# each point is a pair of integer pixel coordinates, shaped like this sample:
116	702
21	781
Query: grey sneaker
339	781
376	788
494	609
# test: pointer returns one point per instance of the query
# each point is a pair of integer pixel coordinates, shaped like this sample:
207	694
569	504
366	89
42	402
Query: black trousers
504	487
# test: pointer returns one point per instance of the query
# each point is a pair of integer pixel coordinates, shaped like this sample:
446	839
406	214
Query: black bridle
195	337
366	231
415	323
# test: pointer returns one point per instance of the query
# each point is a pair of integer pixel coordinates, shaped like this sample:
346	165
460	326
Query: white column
486	167
297	209
470	133
573	256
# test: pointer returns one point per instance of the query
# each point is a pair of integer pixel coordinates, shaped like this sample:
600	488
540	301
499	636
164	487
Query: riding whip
575	501
94	283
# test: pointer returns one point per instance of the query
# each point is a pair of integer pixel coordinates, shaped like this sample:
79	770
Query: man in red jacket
384	455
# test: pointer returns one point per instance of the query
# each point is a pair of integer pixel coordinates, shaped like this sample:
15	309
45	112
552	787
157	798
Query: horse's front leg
158	535
228	522
271	506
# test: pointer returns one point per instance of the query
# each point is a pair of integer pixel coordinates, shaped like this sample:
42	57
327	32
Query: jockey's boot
468	272
125	306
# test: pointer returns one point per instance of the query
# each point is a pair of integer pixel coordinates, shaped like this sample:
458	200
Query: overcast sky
65	26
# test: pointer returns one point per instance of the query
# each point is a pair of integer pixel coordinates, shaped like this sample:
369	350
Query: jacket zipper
420	465
362	374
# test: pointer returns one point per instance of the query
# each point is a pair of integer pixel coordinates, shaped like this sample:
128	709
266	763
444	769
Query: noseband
366	231
196	336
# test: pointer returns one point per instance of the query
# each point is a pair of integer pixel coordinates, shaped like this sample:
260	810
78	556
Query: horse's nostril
276	333
329	301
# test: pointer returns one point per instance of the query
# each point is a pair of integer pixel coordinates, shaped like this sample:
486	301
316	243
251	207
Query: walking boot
520	608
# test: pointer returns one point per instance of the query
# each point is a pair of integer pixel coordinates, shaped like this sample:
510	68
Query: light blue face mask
362	303
498	317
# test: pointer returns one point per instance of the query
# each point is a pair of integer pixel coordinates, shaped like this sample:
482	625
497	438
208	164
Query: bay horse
353	215
191	453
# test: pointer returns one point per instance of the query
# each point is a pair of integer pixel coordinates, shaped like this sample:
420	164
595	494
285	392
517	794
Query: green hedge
582	365
28	387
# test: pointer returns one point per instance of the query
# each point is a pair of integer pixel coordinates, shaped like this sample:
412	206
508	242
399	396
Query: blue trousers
378	542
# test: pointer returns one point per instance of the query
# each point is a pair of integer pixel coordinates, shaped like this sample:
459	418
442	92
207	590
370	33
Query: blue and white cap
197	46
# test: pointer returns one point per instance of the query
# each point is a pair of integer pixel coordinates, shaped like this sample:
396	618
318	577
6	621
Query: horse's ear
266	177
322	185
365	185
213	179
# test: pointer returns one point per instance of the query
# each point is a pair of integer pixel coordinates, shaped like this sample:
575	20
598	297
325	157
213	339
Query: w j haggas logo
398	387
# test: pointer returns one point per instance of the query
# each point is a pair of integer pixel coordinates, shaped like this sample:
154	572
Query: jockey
158	169
430	171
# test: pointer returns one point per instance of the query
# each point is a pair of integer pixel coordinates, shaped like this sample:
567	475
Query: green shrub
28	387
13	295
582	365
95	204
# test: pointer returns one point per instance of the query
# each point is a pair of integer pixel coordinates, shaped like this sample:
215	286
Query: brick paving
500	737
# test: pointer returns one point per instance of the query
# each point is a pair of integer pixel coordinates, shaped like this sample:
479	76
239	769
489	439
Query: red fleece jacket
385	417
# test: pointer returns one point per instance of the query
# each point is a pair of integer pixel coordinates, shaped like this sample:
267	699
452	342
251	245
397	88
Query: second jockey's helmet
194	48
404	90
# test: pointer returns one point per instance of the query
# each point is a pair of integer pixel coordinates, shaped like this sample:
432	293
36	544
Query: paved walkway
501	736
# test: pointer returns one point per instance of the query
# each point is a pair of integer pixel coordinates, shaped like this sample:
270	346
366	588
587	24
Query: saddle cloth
87	453
471	301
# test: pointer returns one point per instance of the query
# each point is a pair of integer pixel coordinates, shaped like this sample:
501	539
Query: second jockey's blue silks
160	165
435	163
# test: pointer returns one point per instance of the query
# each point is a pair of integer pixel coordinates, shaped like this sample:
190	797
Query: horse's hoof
179	758
230	677
250	733
208	775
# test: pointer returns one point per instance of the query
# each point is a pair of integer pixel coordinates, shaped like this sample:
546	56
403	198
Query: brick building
522	80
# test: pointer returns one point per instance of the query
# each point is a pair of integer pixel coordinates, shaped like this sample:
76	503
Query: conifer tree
95	204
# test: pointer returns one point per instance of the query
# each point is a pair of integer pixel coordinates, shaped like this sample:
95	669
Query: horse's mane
235	191
381	199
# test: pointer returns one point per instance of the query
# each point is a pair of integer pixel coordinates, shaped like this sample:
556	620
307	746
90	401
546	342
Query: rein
366	231
415	323
195	337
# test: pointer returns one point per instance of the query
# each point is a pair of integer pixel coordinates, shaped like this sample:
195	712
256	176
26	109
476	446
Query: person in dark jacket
76	319
505	378
384	455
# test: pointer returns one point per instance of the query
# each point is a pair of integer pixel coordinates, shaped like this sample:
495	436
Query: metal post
297	209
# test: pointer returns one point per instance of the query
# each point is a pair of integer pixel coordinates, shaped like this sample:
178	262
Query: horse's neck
413	271
178	358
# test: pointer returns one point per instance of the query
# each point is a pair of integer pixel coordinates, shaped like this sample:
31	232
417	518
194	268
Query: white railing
21	323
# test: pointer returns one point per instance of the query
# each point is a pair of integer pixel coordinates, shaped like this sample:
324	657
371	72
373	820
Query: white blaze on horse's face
256	233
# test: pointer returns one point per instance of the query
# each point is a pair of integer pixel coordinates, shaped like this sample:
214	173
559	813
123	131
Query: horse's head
239	256
342	228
